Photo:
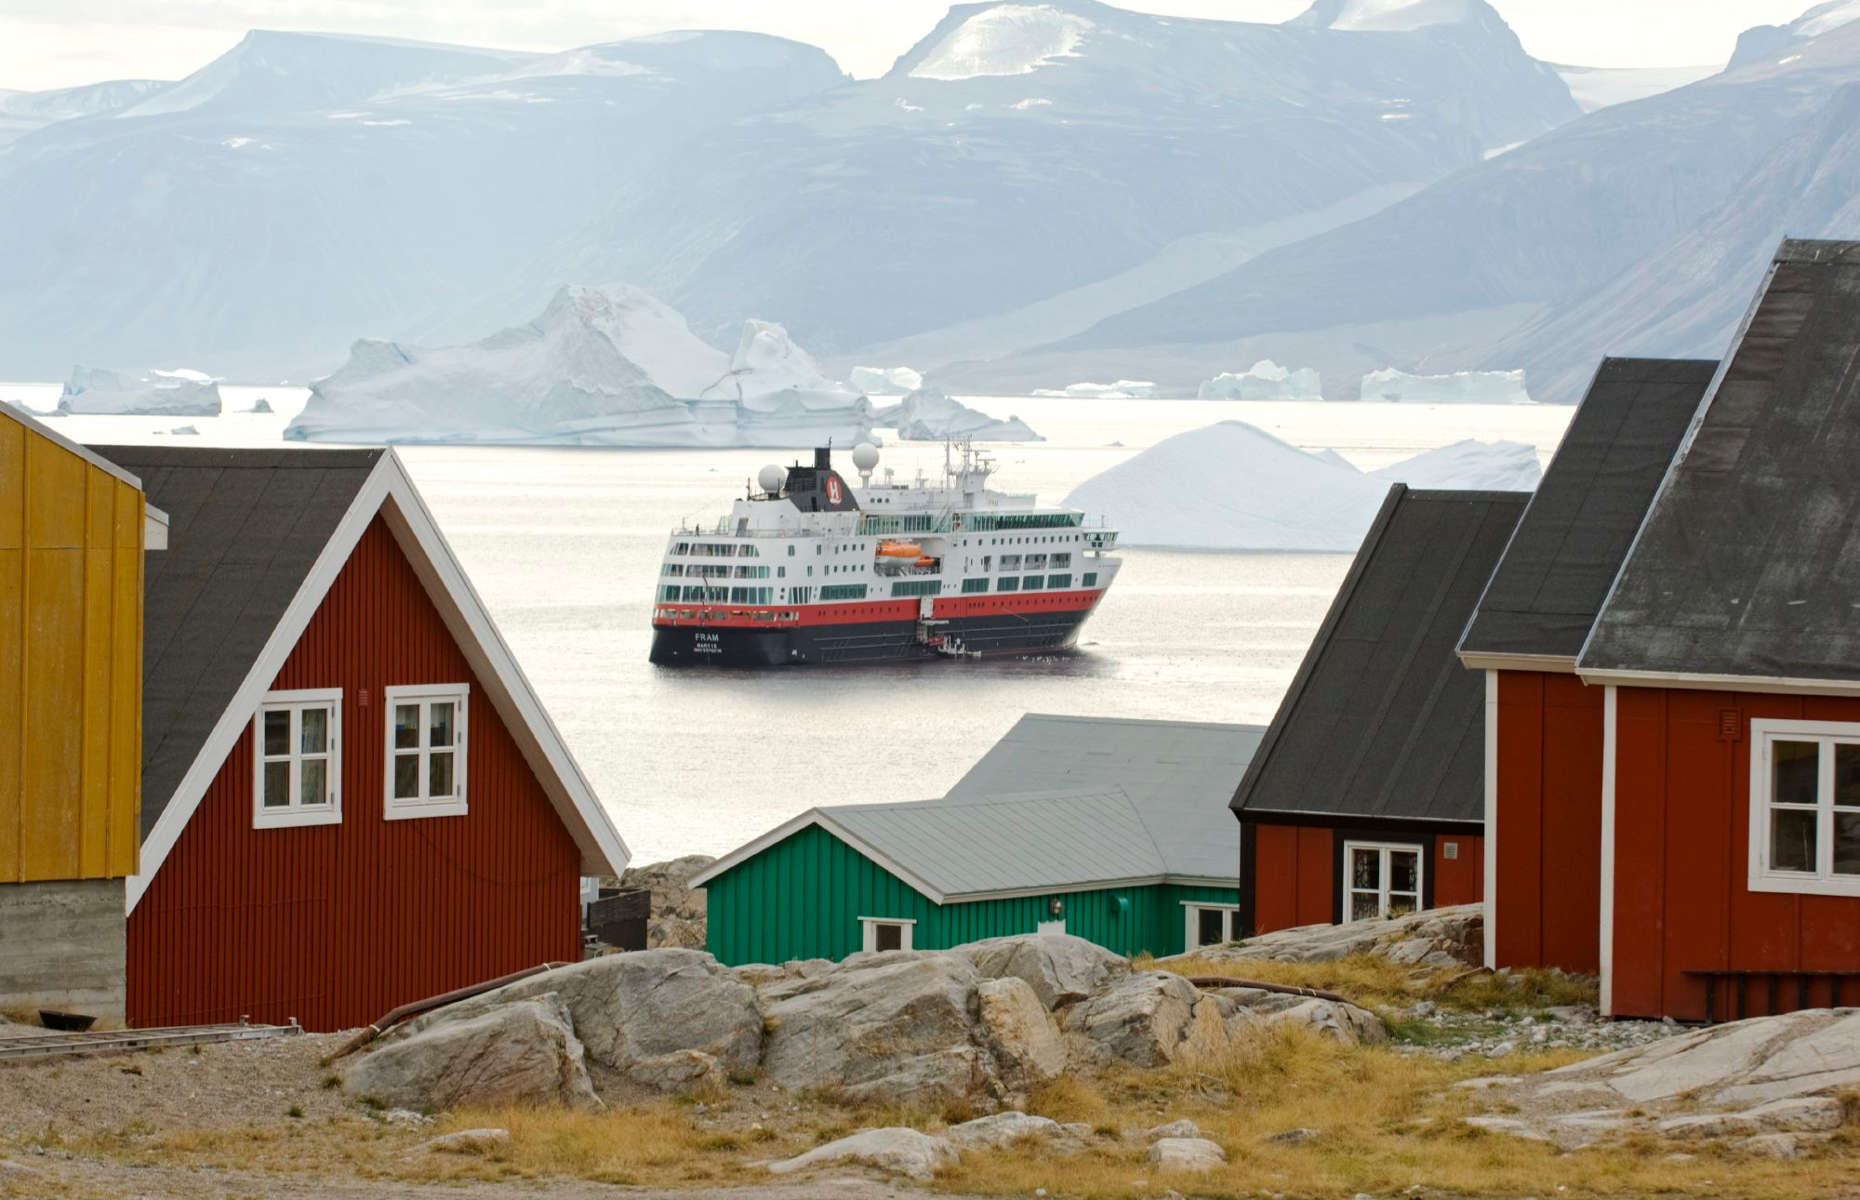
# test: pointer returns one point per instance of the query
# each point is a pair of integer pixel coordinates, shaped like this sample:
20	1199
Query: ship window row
842	591
984	522
974	585
916	587
716	549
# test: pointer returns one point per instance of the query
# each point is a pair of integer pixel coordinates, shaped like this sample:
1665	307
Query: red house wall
1458	880
1682	837
1294	872
1549	810
337	924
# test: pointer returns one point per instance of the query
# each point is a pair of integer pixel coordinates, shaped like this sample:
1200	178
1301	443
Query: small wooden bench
1736	985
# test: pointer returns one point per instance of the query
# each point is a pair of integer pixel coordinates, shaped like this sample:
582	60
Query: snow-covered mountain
23	112
304	188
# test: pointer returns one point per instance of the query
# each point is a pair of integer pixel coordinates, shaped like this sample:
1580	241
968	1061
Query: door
1380	880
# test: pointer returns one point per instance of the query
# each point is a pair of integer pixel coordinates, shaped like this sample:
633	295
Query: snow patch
906	105
1400	15
1008	39
1390	386
929	415
1232	486
1825	18
100	391
1031	102
390	121
1264	380
886	381
1123	389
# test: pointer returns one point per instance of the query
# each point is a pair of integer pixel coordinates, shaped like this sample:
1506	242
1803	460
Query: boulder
1187	1154
678	910
1210	1030
1293	1137
897	1150
469	1141
1001	1130
1451	936
1344	1023
520	1052
1141	1020
1061	969
679	1071
1026	1043
631	1009
1183	1128
893	1028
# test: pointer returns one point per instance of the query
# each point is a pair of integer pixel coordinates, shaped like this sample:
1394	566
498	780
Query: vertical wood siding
1292	880
337	924
1682	840
1547	906
70	663
803	897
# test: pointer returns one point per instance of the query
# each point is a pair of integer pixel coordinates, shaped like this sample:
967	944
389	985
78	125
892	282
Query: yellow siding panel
12	697
126	710
12	484
94	777
54	719
54	496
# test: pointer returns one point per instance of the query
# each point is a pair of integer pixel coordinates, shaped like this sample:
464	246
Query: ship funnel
823	458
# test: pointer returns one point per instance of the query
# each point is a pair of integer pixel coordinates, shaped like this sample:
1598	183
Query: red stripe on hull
734	616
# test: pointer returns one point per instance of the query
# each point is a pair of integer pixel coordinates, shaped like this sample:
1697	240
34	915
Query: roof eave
1478	660
1783	684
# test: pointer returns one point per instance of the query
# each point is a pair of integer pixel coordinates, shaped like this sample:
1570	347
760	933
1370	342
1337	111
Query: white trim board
1490	834
1723	683
389	491
1606	933
1552	664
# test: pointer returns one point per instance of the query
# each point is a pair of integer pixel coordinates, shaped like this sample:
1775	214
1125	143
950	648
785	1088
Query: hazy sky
55	43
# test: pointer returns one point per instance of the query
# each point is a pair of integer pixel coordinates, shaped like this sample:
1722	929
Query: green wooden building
1108	829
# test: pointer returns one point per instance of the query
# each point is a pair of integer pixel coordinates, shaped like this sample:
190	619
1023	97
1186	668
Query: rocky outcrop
1061	969
521	1052
1016	1027
1001	1130
899	1150
1439	937
1141	1019
1186	1154
678	912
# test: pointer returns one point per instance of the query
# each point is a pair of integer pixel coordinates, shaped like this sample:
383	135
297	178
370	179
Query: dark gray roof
245	528
1749	560
1552	578
1179	775
1381	720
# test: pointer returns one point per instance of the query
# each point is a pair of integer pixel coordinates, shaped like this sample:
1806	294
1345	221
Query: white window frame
869	931
414	808
296	814
1383	849
1764	732
1191	923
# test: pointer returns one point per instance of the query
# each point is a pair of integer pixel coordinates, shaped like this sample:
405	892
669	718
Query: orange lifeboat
926	561
899	550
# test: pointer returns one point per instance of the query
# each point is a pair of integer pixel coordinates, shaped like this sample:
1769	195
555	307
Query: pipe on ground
414	1008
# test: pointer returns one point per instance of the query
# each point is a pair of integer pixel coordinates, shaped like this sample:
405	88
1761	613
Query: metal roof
1179	775
1568	546
247	527
1748	563
1381	719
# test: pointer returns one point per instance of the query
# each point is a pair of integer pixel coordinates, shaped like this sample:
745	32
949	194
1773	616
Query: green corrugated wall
803	897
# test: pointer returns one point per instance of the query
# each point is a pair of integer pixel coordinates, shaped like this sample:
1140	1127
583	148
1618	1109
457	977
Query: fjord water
564	547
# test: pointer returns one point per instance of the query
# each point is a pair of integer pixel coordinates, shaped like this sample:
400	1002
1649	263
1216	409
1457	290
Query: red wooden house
1365	798
351	796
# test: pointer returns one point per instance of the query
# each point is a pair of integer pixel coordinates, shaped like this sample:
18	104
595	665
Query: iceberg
1123	389
886	381
1390	386
99	391
1232	486
929	415
602	366
1264	380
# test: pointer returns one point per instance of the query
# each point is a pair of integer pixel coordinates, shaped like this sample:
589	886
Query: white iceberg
602	366
1231	486
99	391
886	381
1390	386
1123	389
1264	380
1470	466
929	415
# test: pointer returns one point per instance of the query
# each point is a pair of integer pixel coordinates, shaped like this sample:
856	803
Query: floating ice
177	393
1123	389
929	415
1008	39
1470	466
1462	387
886	381
1264	380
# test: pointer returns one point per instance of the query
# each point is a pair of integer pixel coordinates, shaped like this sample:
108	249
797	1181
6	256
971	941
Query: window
886	933
1211	925
842	591
1008	583
1059	581
1805	807
1033	562
916	587
974	585
426	751
1089	580
1060	560
297	760
1380	880
1010	562
1031	583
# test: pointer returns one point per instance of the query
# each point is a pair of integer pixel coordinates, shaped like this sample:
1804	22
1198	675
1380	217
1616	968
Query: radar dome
770	478
865	456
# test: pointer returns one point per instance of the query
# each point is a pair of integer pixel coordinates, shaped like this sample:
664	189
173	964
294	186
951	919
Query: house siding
1294	869
1547	900
803	897
335	925
1680	897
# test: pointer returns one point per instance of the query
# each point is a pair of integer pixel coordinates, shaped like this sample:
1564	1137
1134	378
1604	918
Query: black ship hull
989	636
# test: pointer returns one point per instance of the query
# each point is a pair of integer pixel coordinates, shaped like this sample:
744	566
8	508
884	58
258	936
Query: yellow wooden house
73	529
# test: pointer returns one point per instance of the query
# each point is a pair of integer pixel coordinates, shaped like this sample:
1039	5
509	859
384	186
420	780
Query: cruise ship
808	569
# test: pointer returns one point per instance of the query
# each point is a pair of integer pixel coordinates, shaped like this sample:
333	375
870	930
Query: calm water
564	547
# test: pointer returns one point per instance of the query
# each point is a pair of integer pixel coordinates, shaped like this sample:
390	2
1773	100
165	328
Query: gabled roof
1381	720
1568	546
1747	567
259	536
1179	774
155	521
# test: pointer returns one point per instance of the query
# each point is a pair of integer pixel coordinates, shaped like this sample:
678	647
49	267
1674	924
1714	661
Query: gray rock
1258	1000
1183	1128
1294	1137
522	1052
1061	969
895	1028
1025	1042
1437	937
1187	1154
897	1150
678	910
759	974
1344	1023
1510	1126
1809	1114
1001	1130
469	1141
1708	1125
679	1071
1141	1019
1772	1145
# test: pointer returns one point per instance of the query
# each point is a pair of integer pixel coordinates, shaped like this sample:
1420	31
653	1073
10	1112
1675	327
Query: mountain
304	188
23	112
1576	244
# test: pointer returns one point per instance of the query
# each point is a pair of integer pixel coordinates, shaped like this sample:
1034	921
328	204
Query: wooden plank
54	496
12	700
54	692
125	742
99	664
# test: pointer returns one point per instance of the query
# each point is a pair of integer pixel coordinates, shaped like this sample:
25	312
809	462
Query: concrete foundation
62	946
